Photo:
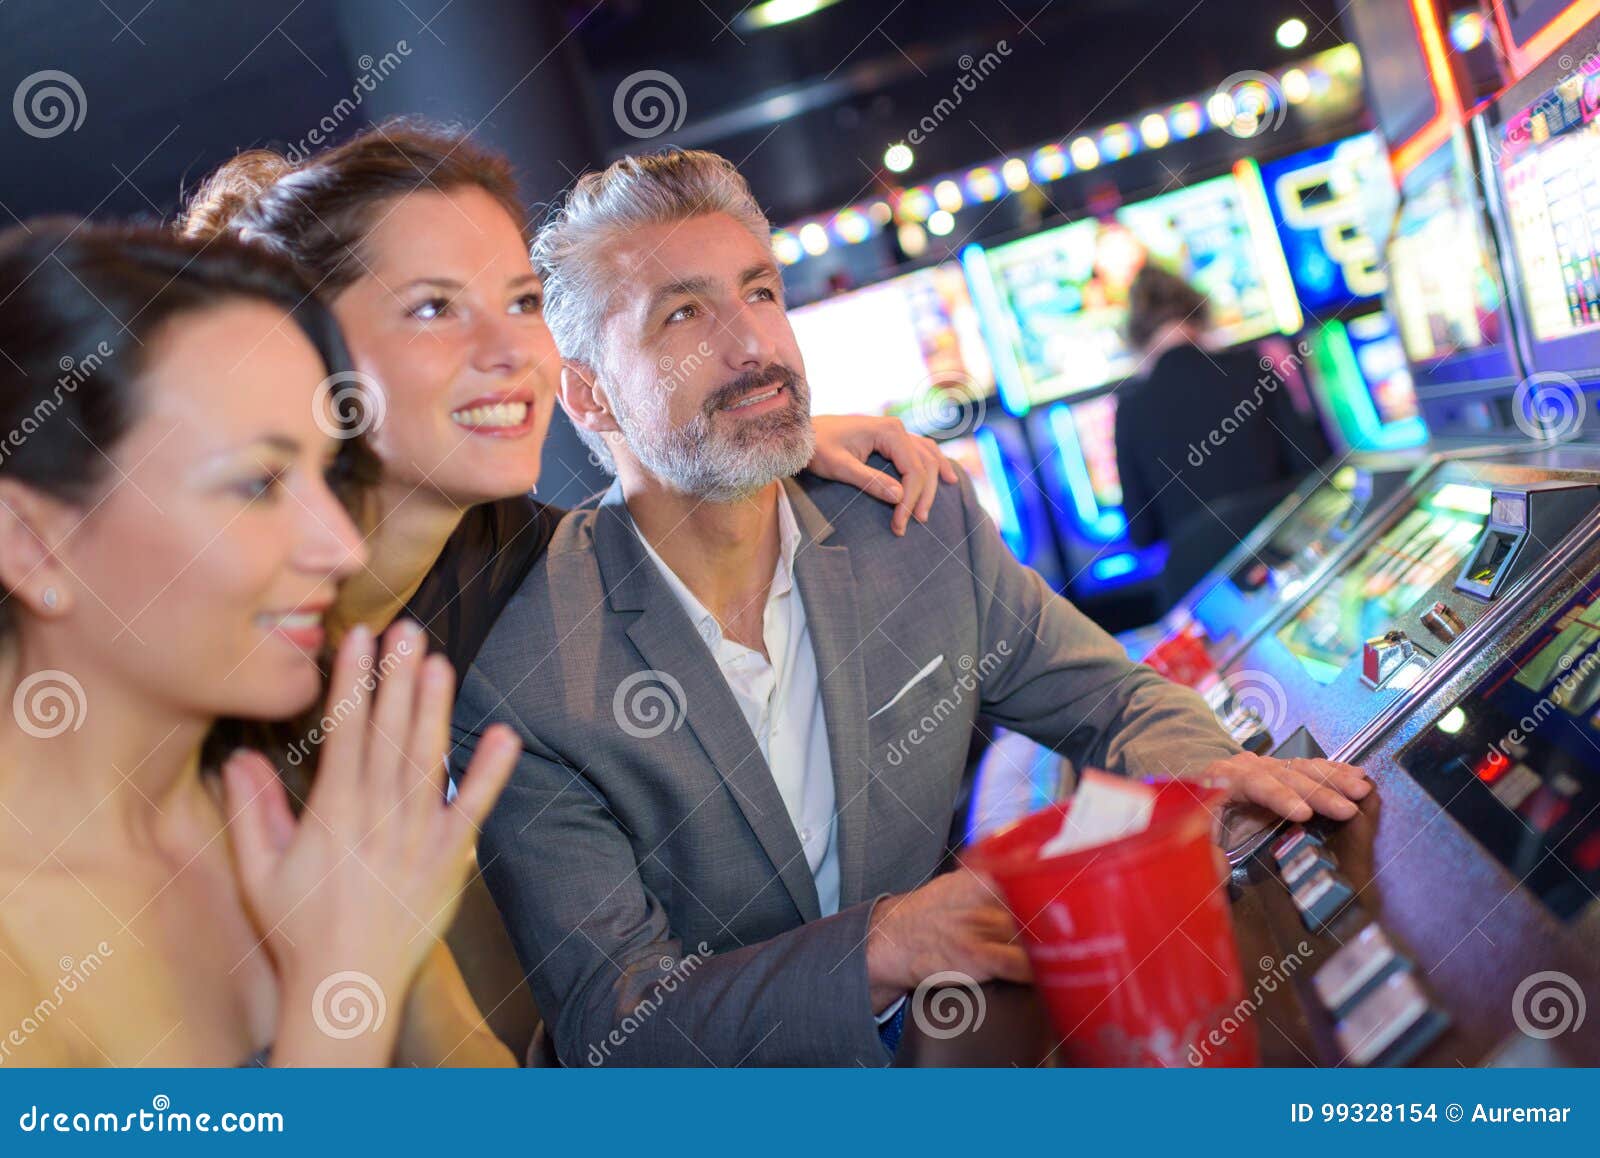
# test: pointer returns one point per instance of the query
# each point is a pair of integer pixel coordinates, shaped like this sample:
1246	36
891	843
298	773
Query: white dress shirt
781	698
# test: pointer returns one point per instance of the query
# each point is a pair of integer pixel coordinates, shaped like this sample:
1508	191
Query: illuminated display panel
1513	760
1382	361
1204	233
1096	423
1334	206
1055	304
1387	580
910	346
1549	173
1445	290
1305	538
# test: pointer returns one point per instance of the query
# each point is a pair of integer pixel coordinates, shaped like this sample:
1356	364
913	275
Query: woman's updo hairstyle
318	212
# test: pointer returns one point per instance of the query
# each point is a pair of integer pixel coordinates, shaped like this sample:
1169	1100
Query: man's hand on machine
1296	789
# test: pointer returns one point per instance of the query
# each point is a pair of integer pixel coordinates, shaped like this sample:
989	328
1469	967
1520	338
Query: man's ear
32	526
584	399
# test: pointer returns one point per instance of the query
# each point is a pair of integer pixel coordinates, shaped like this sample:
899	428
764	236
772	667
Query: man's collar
625	565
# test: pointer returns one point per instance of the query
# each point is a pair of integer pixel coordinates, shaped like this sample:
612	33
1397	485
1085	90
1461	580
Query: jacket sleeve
1058	678
612	979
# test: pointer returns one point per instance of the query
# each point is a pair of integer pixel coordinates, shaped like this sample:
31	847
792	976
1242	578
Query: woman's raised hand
352	895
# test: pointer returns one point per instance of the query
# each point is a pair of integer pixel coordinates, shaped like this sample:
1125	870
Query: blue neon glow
1104	524
1114	566
992	321
994	465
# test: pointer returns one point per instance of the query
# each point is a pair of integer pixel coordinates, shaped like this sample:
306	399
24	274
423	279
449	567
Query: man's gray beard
720	467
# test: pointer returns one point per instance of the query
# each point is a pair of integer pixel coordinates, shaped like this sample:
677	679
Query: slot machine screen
1305	538
1055	304
1382	361
1218	236
1513	761
1445	290
1334	206
910	346
1549	174
1387	580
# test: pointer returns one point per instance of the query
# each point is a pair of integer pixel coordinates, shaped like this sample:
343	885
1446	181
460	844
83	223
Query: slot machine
1054	306
1460	901
911	347
1333	206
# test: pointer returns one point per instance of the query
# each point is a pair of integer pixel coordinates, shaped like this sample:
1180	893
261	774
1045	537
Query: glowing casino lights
1243	110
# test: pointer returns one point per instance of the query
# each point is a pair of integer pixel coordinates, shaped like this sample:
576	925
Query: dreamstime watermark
74	373
366	684
348	404
48	703
676	371
373	73
649	703
677	972
1549	407
972	674
1569	678
973	73
1274	373
1248	104
1274	973
73	973
648	103
1257	696
947	406
1548	1004
49	103
348	1004
948	1004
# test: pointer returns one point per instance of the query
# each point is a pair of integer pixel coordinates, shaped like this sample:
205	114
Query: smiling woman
171	536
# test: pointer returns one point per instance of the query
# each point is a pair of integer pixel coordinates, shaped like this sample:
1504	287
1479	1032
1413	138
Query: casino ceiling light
1292	33
775	12
1319	83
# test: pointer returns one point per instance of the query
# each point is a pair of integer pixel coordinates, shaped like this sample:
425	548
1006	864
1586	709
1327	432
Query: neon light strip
1074	467
1549	38
1269	249
998	329
1447	101
994	464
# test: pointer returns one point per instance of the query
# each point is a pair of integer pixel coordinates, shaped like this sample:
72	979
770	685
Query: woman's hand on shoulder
845	442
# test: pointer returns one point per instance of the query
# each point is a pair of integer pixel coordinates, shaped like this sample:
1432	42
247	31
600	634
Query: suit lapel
827	586
668	642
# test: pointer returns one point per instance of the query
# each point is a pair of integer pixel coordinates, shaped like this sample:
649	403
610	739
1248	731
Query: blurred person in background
1208	441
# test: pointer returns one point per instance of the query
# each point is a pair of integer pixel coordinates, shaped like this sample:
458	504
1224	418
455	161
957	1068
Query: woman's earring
51	599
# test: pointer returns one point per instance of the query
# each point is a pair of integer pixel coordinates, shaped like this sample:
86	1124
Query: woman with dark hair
171	535
1207	442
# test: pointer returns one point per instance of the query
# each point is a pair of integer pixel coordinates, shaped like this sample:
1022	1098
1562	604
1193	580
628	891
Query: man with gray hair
745	703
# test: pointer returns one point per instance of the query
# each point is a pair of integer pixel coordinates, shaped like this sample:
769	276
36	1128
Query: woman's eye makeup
528	303
430	308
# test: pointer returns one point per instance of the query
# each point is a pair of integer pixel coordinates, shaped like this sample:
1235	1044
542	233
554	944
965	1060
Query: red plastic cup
1131	942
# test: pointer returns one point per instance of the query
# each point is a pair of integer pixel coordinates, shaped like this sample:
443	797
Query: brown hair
1159	298
318	212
